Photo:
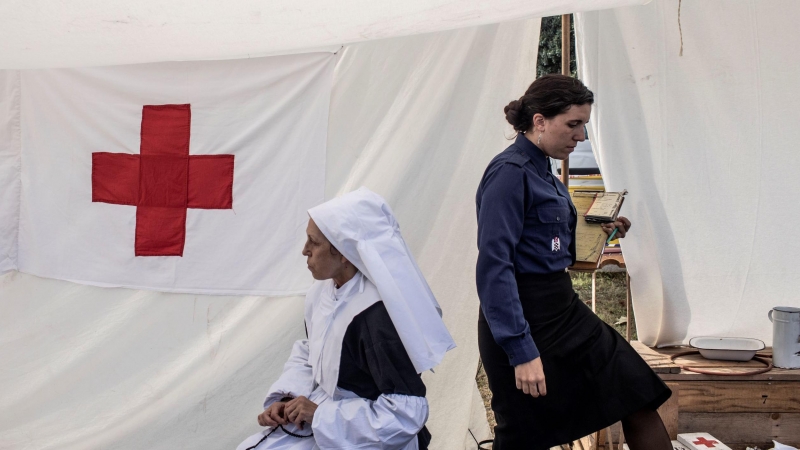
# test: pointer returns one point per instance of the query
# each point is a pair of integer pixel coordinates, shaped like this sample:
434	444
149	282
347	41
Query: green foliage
550	47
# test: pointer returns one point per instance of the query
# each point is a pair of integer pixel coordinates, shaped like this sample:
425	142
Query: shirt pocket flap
557	214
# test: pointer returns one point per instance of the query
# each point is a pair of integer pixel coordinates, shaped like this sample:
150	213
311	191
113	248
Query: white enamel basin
727	348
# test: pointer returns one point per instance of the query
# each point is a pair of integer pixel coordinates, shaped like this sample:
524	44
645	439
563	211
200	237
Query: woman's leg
644	430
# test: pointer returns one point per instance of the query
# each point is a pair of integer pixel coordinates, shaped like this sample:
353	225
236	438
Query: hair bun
512	113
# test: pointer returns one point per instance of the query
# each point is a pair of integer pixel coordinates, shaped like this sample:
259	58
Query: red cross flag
163	180
183	177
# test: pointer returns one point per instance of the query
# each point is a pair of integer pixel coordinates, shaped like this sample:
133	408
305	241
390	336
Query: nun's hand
300	410
622	224
273	415
530	377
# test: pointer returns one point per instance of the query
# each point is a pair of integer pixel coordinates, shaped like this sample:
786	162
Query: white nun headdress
363	228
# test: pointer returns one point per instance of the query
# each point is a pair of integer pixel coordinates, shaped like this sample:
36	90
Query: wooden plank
583	266
613	435
669	411
739	396
609	259
566	39
628	306
751	444
602	439
584	443
691	376
745	427
593	441
656	360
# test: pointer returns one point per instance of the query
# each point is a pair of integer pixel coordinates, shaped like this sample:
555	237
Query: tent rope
680	30
280	427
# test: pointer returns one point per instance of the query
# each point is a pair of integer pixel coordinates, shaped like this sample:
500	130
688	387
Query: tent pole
565	58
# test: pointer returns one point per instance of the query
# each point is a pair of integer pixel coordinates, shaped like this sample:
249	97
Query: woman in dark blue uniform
556	371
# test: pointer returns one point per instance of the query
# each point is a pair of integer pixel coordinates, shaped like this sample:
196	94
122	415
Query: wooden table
739	410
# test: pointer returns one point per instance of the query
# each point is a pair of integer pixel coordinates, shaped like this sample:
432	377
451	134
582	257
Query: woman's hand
273	416
622	224
300	410
530	377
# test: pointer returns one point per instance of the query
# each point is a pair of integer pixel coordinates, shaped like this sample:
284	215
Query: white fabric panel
42	33
415	119
89	368
704	142
9	168
270	113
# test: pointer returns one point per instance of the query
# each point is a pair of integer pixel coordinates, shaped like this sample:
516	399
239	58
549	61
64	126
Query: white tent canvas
703	140
416	119
43	34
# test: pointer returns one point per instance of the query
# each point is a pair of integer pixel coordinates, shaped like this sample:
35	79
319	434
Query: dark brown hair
550	95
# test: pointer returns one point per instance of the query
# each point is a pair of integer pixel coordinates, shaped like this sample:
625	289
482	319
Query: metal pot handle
769	314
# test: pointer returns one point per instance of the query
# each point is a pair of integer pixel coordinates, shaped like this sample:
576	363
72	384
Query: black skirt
594	377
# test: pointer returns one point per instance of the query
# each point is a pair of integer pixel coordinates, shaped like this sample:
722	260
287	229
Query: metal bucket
785	337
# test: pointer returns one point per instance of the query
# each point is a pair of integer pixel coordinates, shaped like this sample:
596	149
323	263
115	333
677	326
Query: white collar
328	318
351	287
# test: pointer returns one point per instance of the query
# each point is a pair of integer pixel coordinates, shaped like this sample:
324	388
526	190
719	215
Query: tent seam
17	136
760	134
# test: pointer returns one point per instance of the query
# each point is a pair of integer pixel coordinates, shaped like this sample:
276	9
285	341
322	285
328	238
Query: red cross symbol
163	180
703	441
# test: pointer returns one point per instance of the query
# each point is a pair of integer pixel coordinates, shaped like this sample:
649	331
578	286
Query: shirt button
558	218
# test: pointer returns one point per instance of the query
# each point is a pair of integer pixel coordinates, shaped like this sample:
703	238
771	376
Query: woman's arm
501	218
390	422
296	379
622	225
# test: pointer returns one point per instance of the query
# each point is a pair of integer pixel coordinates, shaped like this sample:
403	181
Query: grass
610	300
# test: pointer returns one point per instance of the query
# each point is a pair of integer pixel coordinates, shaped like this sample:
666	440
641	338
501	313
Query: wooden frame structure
565	58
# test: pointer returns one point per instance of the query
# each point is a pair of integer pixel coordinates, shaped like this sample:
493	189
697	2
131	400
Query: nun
373	326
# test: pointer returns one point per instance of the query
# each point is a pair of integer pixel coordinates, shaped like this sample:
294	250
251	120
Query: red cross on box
704	441
163	180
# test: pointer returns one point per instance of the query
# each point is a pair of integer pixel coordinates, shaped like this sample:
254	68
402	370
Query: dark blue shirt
526	224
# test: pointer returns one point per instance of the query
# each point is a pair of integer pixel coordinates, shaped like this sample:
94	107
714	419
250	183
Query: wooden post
565	41
565	58
628	305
